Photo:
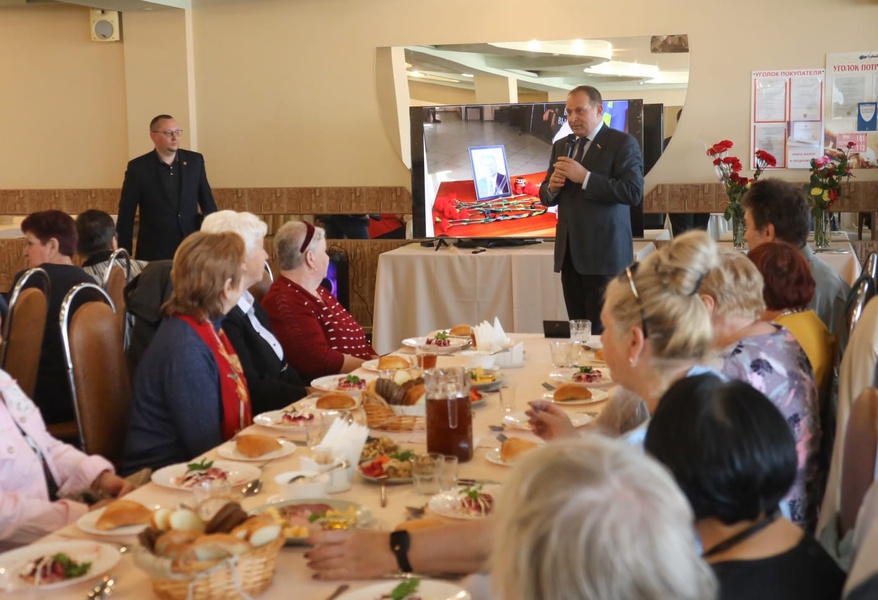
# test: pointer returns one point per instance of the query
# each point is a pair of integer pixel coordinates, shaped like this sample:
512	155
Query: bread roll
390	391
121	513
184	519
212	547
226	519
512	448
415	393
172	544
460	330
572	391
159	519
335	400
261	530
402	377
252	445
393	361
599	354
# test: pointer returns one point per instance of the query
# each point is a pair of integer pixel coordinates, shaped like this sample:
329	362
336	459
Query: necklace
790	311
743	535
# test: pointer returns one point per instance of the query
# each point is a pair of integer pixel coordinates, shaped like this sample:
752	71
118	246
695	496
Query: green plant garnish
442	335
403	456
406	588
204	465
71	567
472	491
314	517
352	379
586	369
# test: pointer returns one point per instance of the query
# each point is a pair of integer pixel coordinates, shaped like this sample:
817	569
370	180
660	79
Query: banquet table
840	256
292	572
419	289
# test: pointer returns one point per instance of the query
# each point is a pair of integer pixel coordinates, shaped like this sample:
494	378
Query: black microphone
571	144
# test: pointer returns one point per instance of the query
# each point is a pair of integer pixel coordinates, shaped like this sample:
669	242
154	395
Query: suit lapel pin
185	163
599	148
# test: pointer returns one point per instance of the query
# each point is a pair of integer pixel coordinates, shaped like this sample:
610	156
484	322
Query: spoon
383	480
342	465
252	488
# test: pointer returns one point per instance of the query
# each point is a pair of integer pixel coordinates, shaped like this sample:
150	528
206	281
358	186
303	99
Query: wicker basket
240	577
381	416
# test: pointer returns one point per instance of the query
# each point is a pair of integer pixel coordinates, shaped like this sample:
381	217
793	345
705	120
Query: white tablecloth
841	257
419	289
292	577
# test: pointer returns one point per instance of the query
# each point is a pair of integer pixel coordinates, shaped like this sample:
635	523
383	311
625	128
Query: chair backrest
115	279
97	371
861	292
261	288
860	447
871	266
23	329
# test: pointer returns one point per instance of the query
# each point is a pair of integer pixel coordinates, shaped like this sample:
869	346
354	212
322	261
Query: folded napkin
491	338
345	439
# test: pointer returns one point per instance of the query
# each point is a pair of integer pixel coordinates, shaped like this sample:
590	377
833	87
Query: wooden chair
116	277
861	292
97	371
260	289
23	330
870	267
858	466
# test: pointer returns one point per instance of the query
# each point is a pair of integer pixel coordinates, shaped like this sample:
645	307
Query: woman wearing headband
319	337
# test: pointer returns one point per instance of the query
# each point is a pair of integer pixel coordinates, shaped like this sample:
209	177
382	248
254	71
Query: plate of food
299	518
476	396
408	589
519	420
441	343
510	451
255	447
486	380
469	502
120	517
390	362
596	356
52	565
458	331
186	476
575	393
588	376
290	418
349	384
397	465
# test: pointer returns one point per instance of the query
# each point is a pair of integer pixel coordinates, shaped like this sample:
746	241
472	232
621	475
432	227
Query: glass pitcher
449	412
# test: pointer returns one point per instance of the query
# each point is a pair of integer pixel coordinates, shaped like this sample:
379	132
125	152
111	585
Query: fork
548	386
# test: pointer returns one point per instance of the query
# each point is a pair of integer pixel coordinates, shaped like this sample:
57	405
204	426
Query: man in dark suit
594	176
169	185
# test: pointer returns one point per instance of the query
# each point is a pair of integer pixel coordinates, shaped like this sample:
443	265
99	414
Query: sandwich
122	513
570	392
256	444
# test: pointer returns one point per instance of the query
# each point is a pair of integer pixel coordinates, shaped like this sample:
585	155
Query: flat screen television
476	169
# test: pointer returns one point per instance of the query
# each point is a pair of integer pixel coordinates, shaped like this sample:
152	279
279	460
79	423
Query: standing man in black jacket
595	175
169	185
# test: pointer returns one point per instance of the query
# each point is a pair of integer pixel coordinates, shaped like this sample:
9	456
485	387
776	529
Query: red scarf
236	400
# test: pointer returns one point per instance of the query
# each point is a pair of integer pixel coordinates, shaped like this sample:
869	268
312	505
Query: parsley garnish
71	567
402	456
473	491
442	335
406	588
204	465
586	369
352	379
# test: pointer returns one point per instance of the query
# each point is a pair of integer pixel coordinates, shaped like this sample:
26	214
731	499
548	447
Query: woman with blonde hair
768	357
190	393
656	330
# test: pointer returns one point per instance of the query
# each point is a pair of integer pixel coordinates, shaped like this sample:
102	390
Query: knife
338	591
478	481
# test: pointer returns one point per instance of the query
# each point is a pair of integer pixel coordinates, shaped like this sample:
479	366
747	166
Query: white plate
493	456
519	420
364	516
455	344
271	419
103	557
566	376
490	386
330	383
372	365
88	523
237	474
389	480
596	396
447	503
430	589
589	356
229	450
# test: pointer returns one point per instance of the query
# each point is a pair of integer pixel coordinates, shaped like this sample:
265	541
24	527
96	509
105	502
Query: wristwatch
399	545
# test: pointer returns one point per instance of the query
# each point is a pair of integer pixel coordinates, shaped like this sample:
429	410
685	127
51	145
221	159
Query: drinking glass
507	399
448	474
314	431
210	496
425	471
580	331
562	354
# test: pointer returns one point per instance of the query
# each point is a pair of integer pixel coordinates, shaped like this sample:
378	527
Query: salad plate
173	476
16	564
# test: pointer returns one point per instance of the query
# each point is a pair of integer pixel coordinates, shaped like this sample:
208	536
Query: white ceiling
117	5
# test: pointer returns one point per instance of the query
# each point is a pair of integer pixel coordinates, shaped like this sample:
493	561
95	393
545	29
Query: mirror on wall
654	69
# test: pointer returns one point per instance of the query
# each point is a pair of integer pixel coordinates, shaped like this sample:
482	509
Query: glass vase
738	230
822	229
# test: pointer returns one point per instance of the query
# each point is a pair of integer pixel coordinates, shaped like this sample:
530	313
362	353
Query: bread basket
381	416
238	577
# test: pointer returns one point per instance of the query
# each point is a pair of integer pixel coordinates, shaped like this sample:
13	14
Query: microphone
571	144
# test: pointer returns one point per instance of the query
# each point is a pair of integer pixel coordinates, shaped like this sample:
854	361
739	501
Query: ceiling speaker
104	25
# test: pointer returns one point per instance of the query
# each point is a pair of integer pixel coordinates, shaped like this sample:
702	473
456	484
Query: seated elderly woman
733	455
50	242
592	519
40	473
789	287
189	390
318	335
272	383
768	357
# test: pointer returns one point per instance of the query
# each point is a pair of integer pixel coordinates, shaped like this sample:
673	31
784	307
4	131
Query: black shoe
436	121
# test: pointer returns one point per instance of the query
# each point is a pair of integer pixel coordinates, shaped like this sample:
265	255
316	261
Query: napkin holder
514	357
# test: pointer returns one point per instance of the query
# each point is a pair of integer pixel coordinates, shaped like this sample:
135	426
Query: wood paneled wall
277	205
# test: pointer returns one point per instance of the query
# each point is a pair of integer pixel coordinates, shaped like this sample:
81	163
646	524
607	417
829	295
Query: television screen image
477	173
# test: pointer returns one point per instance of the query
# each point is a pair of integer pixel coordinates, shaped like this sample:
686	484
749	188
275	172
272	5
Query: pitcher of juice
449	412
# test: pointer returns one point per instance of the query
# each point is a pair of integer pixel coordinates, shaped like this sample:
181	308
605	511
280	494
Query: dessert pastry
256	444
335	400
393	361
571	391
121	513
513	448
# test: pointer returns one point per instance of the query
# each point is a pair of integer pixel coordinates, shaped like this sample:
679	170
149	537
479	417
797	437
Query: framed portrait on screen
490	172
